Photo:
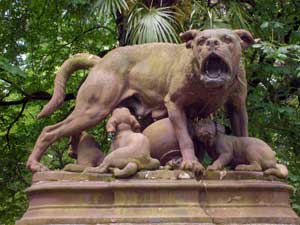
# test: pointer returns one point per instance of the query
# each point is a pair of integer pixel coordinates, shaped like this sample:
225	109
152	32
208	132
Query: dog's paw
174	164
35	166
213	168
192	165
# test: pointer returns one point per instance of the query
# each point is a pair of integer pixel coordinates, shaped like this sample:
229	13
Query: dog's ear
246	37
188	37
135	125
111	125
220	128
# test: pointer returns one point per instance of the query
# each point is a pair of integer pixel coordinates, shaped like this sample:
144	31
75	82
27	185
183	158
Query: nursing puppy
241	153
88	154
130	151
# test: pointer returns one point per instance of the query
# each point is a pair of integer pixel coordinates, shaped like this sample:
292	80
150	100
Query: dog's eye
227	39
201	40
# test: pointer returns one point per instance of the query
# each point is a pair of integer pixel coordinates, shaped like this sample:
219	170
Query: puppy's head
206	129
122	116
217	53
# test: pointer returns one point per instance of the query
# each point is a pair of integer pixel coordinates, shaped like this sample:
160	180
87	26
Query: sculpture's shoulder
155	45
251	140
149	48
229	142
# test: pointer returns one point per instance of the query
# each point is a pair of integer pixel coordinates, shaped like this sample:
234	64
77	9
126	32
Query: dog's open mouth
214	66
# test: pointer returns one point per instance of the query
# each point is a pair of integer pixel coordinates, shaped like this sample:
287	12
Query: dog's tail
74	63
280	171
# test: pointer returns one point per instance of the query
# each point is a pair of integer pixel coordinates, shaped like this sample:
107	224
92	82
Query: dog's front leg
238	116
73	145
178	119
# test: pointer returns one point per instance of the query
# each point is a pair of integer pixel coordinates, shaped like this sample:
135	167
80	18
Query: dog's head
206	129
217	53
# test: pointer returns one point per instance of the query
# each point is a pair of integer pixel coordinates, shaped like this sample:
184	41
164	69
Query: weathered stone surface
158	197
152	175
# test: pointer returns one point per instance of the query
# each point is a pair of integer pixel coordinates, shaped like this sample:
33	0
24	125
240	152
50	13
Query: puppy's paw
98	169
72	153
74	167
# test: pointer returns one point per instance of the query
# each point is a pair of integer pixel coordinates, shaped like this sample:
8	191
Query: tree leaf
10	68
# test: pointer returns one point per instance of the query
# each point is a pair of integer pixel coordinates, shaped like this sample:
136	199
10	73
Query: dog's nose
212	42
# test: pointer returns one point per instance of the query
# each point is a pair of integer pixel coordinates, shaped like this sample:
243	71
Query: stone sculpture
241	153
164	144
185	80
160	96
130	151
161	135
87	154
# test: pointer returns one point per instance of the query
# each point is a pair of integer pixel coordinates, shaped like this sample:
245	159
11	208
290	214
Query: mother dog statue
191	79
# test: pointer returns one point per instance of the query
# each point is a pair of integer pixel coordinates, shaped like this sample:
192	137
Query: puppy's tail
74	63
279	171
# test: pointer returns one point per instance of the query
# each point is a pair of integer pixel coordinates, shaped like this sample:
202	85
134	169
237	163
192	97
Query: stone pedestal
158	197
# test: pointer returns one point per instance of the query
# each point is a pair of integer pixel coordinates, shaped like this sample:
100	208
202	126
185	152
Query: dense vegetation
37	36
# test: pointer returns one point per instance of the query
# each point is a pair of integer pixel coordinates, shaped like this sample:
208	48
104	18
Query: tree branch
87	31
55	51
13	122
33	97
250	2
13	85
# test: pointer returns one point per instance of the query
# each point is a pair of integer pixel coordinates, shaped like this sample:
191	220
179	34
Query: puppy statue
241	153
88	154
130	151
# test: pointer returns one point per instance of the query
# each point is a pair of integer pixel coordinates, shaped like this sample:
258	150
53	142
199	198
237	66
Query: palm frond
238	15
225	14
150	24
203	17
111	7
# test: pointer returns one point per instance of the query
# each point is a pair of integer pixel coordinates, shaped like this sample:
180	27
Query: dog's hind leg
93	104
130	169
253	166
77	120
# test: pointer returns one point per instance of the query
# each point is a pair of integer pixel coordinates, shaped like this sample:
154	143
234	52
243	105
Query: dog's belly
149	98
149	92
150	77
204	107
140	109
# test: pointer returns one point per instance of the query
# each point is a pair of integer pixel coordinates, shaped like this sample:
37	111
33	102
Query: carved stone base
158	197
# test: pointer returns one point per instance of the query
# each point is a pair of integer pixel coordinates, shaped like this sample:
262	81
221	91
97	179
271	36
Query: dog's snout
212	42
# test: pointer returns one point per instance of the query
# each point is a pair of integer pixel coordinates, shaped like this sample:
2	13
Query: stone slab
158	197
153	175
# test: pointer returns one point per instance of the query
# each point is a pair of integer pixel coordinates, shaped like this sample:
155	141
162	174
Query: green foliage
37	36
111	7
152	25
142	22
